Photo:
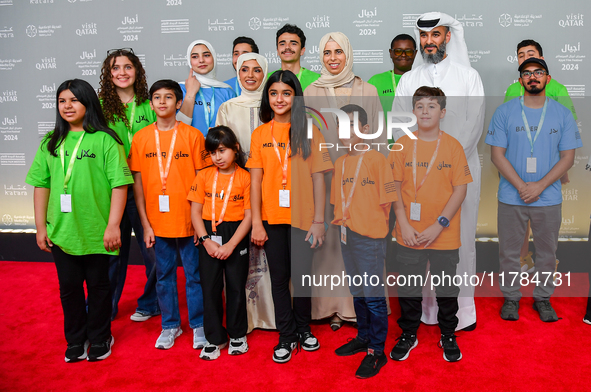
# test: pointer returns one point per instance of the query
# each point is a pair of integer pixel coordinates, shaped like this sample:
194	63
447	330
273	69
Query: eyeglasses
538	73
407	52
121	51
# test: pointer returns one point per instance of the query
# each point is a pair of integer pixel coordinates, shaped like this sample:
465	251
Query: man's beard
435	57
535	89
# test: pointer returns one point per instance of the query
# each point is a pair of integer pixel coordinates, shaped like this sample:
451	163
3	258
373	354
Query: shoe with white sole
238	346
199	340
167	337
211	351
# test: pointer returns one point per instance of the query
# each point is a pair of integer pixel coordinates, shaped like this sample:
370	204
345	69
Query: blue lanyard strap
527	129
208	111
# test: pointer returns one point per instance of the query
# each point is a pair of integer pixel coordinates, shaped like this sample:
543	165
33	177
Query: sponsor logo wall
44	42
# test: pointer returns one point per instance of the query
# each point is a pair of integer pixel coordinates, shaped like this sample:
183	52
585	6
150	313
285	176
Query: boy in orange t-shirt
362	191
431	175
165	158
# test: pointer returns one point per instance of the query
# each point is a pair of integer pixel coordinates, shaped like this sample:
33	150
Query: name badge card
66	202
217	239
163	203
415	211
284	198
531	165
344	235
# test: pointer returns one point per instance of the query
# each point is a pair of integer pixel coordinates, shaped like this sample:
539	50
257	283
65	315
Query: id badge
66	202
415	211
163	203
344	235
217	239
284	198
531	165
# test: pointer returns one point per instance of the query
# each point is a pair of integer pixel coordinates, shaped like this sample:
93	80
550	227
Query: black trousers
289	320
72	271
410	296
588	313
211	271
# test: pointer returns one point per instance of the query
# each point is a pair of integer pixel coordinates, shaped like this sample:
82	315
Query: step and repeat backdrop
44	42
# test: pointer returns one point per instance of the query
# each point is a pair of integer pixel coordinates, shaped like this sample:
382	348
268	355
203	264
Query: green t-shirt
305	77
386	89
100	166
144	116
554	90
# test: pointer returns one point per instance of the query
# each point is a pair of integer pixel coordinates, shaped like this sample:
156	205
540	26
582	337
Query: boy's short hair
350	108
431	93
246	40
169	85
530	42
291	29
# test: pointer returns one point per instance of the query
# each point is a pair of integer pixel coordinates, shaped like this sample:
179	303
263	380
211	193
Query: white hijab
250	99
456	48
207	80
328	80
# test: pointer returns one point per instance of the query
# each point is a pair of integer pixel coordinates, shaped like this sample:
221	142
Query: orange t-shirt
189	155
451	169
299	175
374	192
239	194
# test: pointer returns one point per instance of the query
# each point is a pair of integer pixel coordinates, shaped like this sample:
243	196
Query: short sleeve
116	169
246	190
201	158
134	156
460	170
197	192
254	156
321	161
39	174
387	189
570	137
497	129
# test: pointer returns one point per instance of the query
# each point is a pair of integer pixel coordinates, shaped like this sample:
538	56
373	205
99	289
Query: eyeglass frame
523	74
404	51
121	50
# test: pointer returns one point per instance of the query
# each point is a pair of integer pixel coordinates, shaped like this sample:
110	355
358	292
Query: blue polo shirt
559	133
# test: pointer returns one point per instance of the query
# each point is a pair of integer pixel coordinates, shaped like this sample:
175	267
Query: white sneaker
238	346
139	316
167	337
211	351
199	340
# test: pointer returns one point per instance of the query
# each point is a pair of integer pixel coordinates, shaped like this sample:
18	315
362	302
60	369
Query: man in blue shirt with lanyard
531	161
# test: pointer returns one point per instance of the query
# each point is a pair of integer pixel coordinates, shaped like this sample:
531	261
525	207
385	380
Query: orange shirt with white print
189	155
239	197
299	174
450	169
374	192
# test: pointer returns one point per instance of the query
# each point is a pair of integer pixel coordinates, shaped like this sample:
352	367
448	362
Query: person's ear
447	37
443	111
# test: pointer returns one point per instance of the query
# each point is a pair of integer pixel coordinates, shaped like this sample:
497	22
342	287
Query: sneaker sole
238	352
139	318
444	357
83	356
586	320
169	347
279	360
199	345
308	348
104	356
407	354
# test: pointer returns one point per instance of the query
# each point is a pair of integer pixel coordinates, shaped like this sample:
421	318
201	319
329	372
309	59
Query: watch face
444	221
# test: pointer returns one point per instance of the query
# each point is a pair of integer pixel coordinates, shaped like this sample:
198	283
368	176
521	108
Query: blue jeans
166	251
148	302
364	255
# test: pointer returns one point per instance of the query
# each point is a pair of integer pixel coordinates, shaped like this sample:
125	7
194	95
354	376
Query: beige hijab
328	80
250	99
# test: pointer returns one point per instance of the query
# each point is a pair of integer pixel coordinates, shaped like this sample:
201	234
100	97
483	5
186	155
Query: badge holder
284	198
66	202
343	235
415	211
163	203
531	165
217	239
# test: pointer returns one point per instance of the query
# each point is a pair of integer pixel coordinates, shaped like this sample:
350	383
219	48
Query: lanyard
394	82
208	111
131	119
345	207
237	85
225	205
285	161
163	172
299	75
527	129
72	160
431	162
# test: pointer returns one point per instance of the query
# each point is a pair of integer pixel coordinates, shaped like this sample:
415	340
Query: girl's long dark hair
298	135
224	136
94	120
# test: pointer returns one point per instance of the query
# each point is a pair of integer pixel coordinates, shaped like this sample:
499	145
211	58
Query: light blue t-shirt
559	133
199	113
234	84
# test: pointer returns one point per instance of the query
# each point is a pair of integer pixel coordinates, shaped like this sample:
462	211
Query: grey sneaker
167	337
141	316
238	346
547	314
199	340
510	310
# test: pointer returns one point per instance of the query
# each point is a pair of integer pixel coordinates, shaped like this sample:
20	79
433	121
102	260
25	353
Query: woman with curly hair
124	98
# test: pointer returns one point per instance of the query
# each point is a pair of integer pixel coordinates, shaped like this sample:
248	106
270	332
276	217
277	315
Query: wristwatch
202	239
443	221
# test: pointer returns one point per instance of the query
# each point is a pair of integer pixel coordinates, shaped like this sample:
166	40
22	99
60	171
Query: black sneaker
100	351
510	310
547	313
587	319
406	342
353	346
76	352
308	341
451	351
282	352
371	364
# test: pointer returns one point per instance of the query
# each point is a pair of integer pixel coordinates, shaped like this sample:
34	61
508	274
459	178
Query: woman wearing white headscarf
241	114
202	92
337	87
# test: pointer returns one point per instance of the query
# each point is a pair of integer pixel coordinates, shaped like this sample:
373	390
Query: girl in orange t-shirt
280	150
220	211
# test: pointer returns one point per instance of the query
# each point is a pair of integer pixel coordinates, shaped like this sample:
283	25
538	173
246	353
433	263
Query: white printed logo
7	219
243	251
254	23
505	20
31	31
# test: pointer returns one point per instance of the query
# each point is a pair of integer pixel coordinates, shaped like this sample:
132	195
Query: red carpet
526	355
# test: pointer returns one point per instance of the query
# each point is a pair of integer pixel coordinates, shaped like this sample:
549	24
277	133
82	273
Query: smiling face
433	44
70	108
403	54
429	113
164	103
201	59
334	58
240	49
251	75
280	100
122	72
289	48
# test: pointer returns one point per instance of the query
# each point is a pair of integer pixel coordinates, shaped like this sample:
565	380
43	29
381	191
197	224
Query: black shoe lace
449	342
404	340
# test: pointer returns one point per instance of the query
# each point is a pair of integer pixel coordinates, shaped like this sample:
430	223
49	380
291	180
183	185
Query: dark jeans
212	272
289	319
72	272
148	302
414	262
364	256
